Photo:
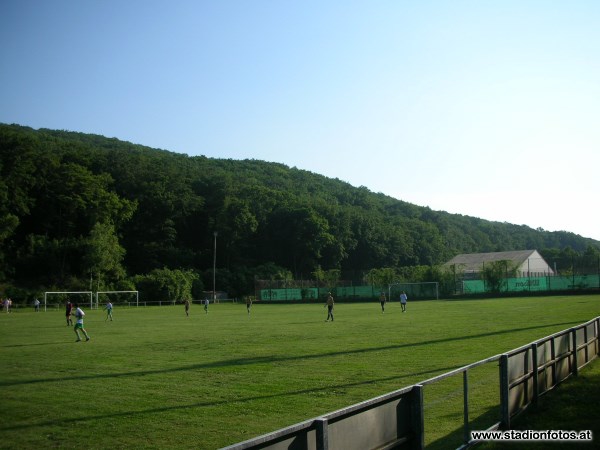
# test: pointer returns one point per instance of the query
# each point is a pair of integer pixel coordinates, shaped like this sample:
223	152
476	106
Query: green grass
155	378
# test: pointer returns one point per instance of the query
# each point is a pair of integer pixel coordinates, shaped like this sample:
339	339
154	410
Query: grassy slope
154	378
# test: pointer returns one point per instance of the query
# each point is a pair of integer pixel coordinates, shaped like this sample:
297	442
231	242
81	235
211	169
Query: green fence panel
527	284
586	282
561	283
289	294
356	292
345	292
573	282
473	286
534	284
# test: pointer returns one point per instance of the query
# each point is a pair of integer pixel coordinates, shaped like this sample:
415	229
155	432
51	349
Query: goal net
415	291
73	296
128	298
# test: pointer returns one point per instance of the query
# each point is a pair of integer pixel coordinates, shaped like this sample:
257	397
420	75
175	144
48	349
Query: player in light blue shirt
109	308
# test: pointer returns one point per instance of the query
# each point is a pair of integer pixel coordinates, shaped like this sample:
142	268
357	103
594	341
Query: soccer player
79	315
69	308
187	307
382	300
403	299
108	308
206	301
36	305
248	303
330	304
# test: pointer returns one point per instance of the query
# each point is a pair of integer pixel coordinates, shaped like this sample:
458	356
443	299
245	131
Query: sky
488	109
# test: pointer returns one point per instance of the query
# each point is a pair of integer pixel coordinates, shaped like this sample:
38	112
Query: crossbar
68	292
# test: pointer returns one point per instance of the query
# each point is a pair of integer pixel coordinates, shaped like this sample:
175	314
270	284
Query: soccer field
154	378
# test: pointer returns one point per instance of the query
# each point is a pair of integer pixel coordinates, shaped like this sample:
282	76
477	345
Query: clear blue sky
484	108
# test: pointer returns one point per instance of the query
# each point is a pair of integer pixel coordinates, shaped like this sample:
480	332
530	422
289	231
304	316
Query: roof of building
474	261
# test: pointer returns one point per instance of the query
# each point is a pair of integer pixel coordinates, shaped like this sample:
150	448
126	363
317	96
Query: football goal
65	295
423	290
119	296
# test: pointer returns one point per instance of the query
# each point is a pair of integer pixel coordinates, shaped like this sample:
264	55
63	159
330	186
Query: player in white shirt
79	315
403	299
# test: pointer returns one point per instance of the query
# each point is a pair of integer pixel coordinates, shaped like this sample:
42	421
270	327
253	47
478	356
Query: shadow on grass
35	344
571	406
456	438
328	388
270	359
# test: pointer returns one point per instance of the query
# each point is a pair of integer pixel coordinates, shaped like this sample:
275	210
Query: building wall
535	266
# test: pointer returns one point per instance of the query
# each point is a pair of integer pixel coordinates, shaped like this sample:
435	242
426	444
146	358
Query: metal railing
396	420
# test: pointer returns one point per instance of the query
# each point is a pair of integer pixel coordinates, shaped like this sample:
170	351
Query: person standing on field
248	304
206	301
36	305
403	299
69	309
79	315
382	300
330	304
187	307
108	308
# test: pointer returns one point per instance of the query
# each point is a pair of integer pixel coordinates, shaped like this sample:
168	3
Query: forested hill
74	204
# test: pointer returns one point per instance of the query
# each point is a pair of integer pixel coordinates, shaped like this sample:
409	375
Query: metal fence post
575	363
417	418
585	342
466	430
504	392
322	434
534	358
597	330
527	370
553	359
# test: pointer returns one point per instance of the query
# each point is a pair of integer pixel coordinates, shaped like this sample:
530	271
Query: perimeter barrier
397	420
415	291
533	284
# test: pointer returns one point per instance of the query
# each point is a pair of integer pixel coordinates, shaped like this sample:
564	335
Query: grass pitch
154	378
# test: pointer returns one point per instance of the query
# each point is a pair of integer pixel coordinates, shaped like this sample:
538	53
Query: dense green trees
496	272
167	285
76	206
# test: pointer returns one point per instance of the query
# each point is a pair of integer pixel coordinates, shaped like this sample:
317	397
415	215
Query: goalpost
90	293
424	289
137	295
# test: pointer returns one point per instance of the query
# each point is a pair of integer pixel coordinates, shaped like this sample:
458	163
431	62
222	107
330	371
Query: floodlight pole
214	267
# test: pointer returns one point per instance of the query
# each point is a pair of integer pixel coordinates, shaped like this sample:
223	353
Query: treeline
77	209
